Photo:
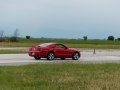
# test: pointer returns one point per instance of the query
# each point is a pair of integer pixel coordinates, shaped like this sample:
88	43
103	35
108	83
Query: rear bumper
34	53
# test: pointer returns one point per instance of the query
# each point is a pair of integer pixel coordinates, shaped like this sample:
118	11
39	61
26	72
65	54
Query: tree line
13	38
111	38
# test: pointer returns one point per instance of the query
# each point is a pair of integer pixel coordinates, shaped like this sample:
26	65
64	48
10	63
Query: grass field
60	77
98	44
12	51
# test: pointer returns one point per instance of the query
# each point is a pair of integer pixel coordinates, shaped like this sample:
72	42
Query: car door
61	50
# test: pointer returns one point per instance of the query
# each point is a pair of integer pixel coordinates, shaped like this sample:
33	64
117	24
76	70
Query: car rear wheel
50	56
62	58
37	57
76	56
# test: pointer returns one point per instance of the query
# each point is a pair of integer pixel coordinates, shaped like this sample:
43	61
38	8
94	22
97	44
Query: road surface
87	56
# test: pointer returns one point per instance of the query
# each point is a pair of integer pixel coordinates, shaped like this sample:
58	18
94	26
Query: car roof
46	44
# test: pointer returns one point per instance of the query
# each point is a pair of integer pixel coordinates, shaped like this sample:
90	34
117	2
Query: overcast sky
61	18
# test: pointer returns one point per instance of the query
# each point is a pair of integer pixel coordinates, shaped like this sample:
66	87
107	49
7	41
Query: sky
96	19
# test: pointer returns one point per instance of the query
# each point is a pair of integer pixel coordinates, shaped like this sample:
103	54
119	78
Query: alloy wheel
50	56
75	56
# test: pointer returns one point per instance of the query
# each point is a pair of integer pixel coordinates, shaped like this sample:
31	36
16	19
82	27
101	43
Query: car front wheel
76	56
37	57
50	56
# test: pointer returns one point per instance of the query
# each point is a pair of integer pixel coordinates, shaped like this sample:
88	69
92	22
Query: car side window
60	46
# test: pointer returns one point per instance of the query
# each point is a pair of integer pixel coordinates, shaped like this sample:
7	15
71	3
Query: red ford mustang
53	50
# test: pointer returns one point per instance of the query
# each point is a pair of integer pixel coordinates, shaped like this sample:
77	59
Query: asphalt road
87	56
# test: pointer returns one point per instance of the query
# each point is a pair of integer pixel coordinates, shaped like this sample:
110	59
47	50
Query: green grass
69	41
12	51
99	44
89	46
60	77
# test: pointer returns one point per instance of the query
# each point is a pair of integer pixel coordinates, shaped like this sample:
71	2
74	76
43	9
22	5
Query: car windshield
45	44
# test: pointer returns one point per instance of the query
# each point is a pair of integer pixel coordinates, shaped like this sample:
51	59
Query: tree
111	38
16	33
14	38
85	37
1	35
27	37
118	39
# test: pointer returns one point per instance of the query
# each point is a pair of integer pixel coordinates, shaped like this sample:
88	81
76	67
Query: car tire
76	56
62	58
37	57
50	56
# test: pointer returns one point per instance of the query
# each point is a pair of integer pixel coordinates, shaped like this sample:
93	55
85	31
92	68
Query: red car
53	50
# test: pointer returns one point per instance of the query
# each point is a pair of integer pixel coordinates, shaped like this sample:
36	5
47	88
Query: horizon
24	37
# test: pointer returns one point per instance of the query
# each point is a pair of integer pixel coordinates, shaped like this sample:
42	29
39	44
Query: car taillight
34	49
